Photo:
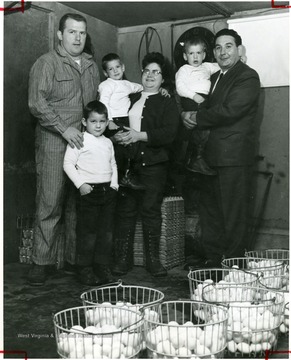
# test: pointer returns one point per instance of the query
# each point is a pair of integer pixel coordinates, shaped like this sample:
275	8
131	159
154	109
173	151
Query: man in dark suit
229	115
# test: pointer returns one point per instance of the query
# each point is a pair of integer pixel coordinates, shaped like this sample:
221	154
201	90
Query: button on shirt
135	113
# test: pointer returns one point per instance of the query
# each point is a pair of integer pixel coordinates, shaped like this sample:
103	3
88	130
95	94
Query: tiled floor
28	311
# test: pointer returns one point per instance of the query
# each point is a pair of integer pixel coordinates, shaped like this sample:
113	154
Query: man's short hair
64	18
228	32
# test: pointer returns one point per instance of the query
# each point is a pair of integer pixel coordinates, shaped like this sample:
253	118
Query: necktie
219	78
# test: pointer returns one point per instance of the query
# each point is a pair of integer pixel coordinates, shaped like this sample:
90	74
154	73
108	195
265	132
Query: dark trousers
123	153
197	138
147	202
95	216
224	207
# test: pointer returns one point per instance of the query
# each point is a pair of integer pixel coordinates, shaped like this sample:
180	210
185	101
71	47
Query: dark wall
25	39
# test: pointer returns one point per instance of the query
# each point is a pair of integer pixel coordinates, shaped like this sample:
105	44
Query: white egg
244	348
183	351
128	351
257	337
283	328
134	340
106	350
77	329
97	351
202	350
256	348
266	346
232	346
191	342
166	347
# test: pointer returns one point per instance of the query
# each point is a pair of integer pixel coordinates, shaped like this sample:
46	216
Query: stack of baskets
276	282
172	243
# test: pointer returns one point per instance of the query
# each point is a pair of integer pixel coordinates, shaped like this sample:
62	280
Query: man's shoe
198	165
212	263
194	263
131	182
37	275
69	269
87	277
103	272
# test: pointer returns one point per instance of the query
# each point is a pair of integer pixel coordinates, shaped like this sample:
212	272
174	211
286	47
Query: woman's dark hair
95	106
64	18
158	58
228	32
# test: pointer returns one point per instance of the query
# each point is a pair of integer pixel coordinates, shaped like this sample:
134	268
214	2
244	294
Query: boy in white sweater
93	171
193	85
114	93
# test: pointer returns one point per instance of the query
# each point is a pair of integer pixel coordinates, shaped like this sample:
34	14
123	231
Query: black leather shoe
212	263
198	165
87	277
69	269
103	272
131	182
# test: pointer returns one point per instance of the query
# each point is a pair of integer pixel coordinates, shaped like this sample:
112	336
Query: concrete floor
28	311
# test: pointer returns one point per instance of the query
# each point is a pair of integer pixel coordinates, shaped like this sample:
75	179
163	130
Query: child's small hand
198	98
85	189
112	125
164	92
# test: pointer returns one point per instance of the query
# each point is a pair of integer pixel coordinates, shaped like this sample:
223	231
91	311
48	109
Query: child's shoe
130	181
87	276
103	272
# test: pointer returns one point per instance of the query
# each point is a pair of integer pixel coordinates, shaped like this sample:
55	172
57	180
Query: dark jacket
160	120
230	115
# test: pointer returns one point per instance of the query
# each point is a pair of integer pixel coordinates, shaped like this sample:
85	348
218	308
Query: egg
244	348
266	346
232	346
256	348
183	351
202	350
166	347
128	351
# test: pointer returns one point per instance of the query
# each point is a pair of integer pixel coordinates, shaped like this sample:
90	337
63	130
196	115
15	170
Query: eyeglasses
153	72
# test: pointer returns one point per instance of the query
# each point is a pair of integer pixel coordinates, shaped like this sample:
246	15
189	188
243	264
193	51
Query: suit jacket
229	115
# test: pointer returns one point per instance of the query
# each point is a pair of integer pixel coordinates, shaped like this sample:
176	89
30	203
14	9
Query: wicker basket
198	279
254	317
123	295
98	332
185	329
260	266
172	243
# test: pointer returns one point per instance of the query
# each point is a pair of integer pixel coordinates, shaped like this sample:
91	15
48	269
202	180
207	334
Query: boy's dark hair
228	32
194	41
107	58
95	106
64	18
